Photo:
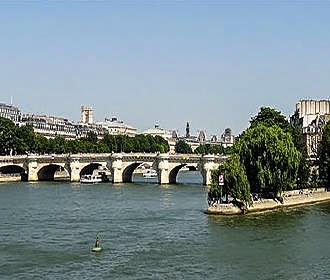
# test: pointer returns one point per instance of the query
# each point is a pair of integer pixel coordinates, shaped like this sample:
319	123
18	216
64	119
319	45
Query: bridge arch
47	172
14	170
89	169
128	172
192	168
173	174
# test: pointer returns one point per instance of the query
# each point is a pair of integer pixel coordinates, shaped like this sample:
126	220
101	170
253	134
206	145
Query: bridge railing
104	155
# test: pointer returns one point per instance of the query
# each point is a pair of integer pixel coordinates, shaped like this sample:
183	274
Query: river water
153	232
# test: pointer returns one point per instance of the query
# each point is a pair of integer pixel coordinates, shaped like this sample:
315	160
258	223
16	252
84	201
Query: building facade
50	126
226	139
10	112
311	116
86	115
114	126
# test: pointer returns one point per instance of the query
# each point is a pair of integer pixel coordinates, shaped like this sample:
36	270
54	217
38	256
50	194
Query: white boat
91	179
150	173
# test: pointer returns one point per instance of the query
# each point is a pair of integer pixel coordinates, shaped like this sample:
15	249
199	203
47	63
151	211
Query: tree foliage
181	147
269	157
8	137
270	117
236	182
210	149
264	160
324	155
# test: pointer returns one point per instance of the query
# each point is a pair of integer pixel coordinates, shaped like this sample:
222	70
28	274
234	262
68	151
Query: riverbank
290	199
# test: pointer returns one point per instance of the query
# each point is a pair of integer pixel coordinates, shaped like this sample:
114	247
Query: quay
290	199
120	165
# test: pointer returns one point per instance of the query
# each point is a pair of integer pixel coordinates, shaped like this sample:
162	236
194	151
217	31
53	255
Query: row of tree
15	140
268	158
181	147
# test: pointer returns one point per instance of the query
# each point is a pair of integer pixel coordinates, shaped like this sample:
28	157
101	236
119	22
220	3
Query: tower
86	114
187	130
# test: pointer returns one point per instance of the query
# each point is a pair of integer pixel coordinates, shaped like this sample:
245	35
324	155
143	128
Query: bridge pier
74	170
32	169
116	168
163	170
208	165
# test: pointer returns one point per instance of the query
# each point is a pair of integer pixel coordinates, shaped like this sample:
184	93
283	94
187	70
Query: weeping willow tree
264	160
270	159
235	184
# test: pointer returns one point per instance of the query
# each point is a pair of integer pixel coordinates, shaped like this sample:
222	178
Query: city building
114	126
311	116
86	115
202	137
10	112
168	135
227	139
84	128
50	126
191	140
157	131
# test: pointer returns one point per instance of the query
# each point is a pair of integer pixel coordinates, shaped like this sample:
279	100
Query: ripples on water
153	232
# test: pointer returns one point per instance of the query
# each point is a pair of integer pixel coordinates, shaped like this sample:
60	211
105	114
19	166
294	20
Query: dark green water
153	232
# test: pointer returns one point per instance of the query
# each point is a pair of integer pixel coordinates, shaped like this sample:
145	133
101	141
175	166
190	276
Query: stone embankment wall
290	199
10	178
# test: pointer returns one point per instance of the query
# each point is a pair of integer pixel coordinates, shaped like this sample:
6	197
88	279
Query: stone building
201	137
114	126
82	130
10	112
311	116
50	126
86	115
227	139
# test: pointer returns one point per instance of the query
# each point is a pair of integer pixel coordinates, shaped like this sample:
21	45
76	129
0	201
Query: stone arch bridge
122	166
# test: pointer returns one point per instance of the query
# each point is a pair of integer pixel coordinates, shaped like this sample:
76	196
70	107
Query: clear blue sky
213	64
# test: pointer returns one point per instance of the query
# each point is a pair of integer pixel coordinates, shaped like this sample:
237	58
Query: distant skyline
213	64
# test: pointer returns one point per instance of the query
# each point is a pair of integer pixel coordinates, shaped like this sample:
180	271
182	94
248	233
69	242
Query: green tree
201	150
42	145
181	147
270	159
270	117
236	183
92	137
59	145
8	137
209	149
26	139
324	156
164	147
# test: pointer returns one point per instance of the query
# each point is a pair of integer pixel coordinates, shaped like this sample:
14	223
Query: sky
210	63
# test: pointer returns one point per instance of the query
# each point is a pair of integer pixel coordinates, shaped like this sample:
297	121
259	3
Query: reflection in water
165	197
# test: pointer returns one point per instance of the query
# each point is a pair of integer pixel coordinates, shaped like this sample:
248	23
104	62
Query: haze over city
212	64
